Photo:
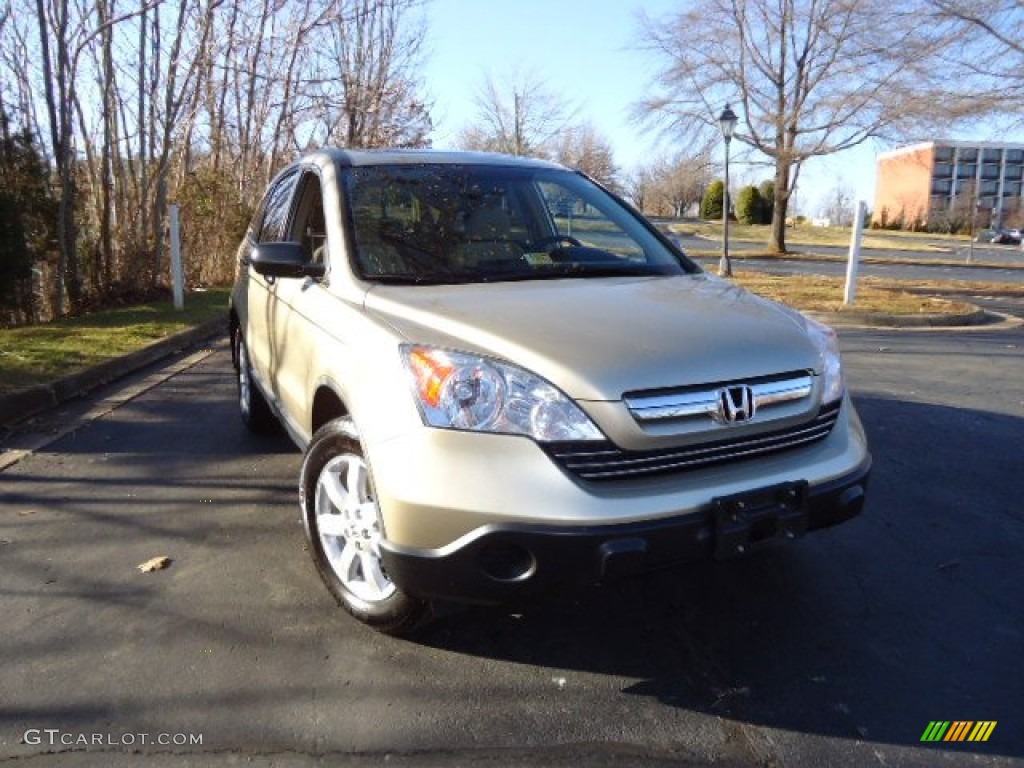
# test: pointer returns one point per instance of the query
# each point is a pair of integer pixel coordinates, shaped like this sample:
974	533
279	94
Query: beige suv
504	378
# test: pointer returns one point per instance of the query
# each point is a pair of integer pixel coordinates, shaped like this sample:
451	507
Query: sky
587	50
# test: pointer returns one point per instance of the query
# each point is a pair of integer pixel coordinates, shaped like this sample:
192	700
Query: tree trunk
58	107
142	236
106	153
782	192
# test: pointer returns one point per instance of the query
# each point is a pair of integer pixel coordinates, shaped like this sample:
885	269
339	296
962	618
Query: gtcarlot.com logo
958	730
55	737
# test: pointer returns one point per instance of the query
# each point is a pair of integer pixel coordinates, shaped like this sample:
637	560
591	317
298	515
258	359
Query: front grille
699	403
603	460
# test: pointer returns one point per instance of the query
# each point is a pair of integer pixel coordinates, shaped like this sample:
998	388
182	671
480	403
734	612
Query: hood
598	338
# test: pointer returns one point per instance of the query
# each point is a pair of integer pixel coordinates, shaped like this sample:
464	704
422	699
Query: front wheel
344	529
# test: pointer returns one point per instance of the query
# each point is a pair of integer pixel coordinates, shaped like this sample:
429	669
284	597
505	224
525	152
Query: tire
256	413
344	529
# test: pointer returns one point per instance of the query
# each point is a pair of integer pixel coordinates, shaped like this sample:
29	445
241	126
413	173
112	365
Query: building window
990	171
944	154
1015	155
967	154
941	187
989	187
966	171
1011	189
943	170
1013	172
938	203
991	155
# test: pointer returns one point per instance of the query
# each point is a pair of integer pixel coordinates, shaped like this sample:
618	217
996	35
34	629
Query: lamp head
727	120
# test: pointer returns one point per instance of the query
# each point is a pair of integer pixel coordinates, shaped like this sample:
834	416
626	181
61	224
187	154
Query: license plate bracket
746	520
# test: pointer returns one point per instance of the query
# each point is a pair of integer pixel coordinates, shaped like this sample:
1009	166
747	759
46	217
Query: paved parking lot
839	649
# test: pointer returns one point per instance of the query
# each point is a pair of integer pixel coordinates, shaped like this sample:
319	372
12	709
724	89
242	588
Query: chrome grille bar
685	405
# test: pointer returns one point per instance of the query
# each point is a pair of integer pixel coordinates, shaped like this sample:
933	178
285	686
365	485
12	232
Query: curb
974	317
28	402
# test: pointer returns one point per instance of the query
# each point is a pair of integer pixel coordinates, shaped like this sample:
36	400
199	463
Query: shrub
711	204
28	220
749	206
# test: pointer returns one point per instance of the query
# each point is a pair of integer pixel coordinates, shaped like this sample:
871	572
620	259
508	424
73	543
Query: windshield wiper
440	278
400	278
547	272
590	269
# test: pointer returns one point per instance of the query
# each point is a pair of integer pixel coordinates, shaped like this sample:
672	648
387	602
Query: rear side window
276	209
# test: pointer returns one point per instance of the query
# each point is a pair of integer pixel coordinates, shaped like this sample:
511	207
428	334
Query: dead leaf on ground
156	564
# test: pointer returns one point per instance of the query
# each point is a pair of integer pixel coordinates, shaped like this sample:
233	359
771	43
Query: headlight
455	390
827	342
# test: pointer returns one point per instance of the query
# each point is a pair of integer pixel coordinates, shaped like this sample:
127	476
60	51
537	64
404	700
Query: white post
854	258
177	277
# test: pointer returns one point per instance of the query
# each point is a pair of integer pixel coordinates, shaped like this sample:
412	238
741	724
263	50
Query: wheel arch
327	406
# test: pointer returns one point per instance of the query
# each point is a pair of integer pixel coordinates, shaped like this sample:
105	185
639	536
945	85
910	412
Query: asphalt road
884	263
894	271
838	650
942	248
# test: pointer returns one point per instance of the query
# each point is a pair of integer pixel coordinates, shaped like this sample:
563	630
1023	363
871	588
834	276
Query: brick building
940	183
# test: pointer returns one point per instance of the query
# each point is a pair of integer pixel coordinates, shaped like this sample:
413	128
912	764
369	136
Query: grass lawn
819	293
40	353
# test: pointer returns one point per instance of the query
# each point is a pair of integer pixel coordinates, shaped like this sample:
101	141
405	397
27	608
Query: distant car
494	400
1007	237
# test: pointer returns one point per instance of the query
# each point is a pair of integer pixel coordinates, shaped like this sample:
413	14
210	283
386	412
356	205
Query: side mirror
284	260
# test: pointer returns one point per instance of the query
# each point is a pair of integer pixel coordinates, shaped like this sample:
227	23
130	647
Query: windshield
460	223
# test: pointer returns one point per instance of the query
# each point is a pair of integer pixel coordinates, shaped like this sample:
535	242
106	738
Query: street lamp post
727	120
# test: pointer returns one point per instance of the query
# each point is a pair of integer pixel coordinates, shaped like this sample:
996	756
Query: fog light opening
507	562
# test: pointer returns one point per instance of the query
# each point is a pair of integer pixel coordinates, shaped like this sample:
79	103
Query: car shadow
867	631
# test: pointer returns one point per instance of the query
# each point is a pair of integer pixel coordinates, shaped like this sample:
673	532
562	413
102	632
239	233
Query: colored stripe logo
959	730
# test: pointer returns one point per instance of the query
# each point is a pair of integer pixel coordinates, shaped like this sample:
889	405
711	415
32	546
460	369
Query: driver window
276	209
310	226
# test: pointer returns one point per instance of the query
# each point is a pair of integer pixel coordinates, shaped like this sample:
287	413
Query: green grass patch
41	353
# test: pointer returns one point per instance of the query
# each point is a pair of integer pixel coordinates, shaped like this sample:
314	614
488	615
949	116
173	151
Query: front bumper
501	561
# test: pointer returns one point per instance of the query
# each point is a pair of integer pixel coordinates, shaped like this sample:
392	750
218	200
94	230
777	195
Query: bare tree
583	148
517	117
838	206
669	185
58	84
16	88
809	77
137	103
5	16
64	33
636	187
680	181
992	55
377	47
